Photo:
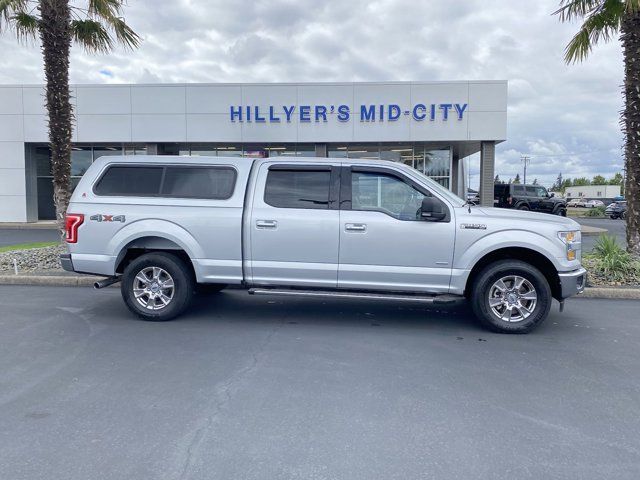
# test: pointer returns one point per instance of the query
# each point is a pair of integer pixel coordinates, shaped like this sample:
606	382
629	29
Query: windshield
433	185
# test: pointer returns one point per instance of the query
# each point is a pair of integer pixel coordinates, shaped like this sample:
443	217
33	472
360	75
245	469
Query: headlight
573	241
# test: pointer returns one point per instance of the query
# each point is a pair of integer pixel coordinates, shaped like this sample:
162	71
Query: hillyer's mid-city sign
367	113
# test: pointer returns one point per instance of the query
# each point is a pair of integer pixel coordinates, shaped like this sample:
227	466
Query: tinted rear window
180	182
199	182
298	189
130	180
518	190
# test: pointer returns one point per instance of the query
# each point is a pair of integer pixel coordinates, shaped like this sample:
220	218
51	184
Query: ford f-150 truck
166	226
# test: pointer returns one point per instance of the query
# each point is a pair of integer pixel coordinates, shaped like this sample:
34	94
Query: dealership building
431	126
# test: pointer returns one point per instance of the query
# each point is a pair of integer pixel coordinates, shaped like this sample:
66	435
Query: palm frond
26	26
574	9
105	8
124	33
109	12
603	25
9	9
91	35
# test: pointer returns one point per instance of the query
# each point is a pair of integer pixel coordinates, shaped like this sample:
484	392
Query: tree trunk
630	38
55	34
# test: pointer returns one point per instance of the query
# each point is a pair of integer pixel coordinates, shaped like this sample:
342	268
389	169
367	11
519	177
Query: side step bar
432	299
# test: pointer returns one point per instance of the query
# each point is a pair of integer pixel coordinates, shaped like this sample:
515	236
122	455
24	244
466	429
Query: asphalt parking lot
267	388
617	228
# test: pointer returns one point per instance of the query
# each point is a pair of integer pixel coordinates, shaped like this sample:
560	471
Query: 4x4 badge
107	218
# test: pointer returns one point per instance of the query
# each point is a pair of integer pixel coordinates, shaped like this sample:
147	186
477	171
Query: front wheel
511	296
157	286
523	207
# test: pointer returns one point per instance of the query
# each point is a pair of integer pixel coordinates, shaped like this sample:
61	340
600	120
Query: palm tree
603	20
97	28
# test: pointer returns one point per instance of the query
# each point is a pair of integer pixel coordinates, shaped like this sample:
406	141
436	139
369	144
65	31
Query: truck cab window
385	193
298	189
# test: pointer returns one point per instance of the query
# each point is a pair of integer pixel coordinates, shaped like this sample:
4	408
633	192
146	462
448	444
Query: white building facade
431	126
593	192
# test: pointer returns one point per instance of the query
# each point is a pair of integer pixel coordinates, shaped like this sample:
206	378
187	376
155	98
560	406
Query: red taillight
71	223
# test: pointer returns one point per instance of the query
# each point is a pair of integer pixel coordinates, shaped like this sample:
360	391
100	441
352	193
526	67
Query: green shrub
595	212
612	262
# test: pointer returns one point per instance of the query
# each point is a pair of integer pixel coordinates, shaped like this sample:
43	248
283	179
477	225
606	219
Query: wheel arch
150	244
524	254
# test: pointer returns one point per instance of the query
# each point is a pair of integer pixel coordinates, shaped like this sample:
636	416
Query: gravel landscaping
46	258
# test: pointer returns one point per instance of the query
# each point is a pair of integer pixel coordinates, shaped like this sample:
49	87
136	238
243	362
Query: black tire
560	211
181	294
523	207
484	282
209	288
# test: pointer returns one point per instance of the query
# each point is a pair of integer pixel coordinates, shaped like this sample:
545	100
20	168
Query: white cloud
565	117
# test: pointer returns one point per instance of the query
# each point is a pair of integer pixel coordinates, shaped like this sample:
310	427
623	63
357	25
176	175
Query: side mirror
431	210
551	195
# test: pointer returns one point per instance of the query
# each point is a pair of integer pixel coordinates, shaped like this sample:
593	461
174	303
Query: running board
432	299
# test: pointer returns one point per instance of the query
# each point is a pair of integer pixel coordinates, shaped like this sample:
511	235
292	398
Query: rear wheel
157	286
511	296
523	207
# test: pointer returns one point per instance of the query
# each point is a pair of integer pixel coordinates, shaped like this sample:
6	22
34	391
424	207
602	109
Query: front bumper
572	283
66	262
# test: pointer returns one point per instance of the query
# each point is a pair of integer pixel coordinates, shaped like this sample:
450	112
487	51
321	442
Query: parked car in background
576	202
336	228
593	203
535	198
617	210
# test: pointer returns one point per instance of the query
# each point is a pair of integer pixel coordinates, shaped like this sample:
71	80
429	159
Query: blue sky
564	117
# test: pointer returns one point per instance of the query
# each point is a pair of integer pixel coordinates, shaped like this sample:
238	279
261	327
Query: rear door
384	245
532	198
294	225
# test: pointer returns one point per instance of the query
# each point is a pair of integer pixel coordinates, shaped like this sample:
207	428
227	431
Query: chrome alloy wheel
153	288
512	298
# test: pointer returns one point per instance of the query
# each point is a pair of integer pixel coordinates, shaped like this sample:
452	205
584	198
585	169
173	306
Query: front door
294	225
384	243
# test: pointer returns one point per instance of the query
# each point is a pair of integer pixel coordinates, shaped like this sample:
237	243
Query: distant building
593	192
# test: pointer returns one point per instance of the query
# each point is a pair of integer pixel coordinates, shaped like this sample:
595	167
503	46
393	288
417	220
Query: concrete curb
611	293
88	281
49	280
589	231
42	225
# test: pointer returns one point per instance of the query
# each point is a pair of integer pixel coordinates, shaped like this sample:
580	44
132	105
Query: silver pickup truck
169	226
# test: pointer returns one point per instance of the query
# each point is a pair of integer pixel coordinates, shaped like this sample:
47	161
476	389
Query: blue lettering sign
445	110
343	113
236	114
393	112
288	112
305	113
321	112
272	116
419	107
367	113
460	109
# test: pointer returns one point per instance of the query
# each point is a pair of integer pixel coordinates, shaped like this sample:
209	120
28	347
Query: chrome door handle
266	224
355	227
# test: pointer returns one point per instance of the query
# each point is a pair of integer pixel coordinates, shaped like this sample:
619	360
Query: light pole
525	160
